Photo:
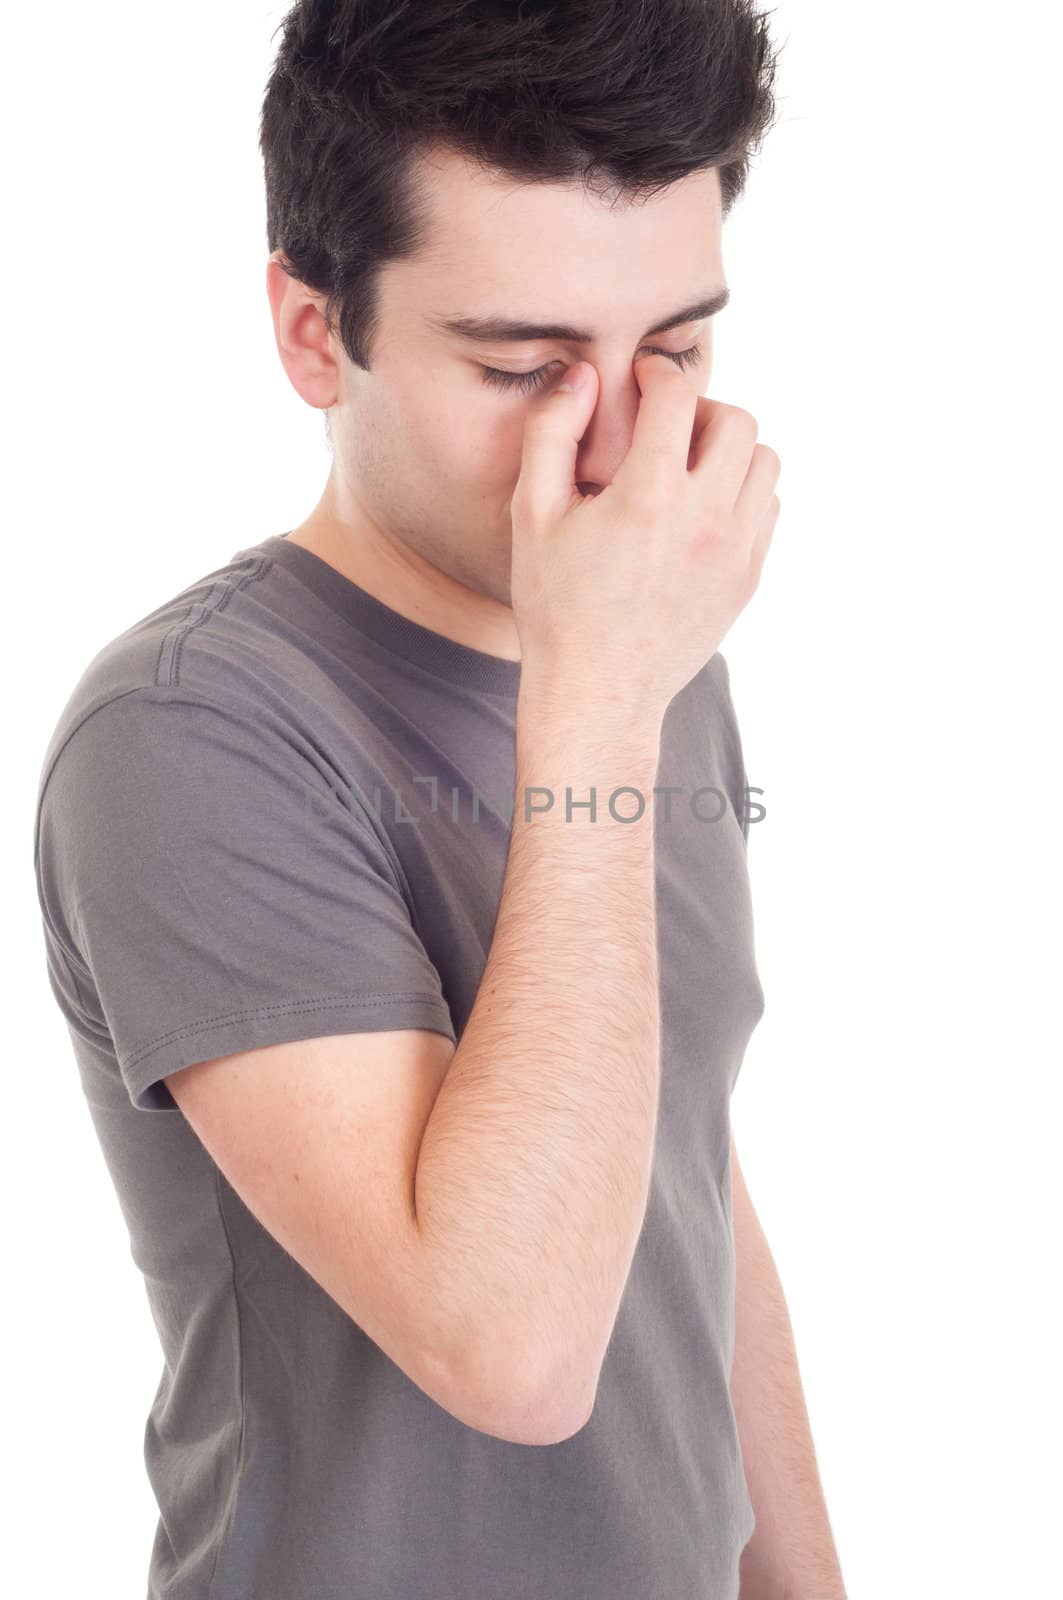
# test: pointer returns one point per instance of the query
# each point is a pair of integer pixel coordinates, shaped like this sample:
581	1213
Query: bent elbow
524	1410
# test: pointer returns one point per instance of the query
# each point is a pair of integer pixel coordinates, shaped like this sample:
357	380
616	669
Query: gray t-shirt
274	809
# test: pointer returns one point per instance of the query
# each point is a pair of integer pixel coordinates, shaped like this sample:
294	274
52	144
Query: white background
895	329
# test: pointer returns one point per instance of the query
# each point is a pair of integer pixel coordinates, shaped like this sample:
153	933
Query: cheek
490	441
464	434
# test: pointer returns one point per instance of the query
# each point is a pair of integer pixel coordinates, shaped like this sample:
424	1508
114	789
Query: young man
393	874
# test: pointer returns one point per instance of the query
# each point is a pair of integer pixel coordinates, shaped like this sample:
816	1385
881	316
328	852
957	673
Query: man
398	865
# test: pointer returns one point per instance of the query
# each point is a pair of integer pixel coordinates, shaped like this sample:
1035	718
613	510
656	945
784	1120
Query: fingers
762	538
702	412
553	428
722	455
756	494
660	441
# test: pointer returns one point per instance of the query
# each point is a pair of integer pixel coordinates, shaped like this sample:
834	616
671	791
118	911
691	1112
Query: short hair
625	96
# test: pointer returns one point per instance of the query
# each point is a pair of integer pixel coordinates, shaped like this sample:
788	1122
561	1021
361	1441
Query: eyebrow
508	330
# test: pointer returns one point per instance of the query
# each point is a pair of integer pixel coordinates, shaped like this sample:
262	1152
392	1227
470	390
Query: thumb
555	423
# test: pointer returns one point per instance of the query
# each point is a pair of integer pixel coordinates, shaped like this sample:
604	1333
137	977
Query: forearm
533	1173
791	1555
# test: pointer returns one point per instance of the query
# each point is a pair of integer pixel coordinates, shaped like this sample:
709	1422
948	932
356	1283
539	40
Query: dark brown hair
625	96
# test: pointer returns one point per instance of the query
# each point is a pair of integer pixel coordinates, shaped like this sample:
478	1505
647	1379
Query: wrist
571	707
584	765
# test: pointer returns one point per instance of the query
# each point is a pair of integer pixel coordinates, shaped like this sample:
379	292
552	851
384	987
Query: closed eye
527	381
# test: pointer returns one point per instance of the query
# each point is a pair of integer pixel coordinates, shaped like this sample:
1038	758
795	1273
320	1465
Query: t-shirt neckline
434	652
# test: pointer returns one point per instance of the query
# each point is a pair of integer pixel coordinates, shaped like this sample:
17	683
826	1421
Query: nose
589	488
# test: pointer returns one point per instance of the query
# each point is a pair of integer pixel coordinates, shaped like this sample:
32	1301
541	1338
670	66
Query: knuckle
715	524
742	421
644	506
768	458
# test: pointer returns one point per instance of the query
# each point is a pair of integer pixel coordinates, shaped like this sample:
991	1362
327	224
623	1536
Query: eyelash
527	381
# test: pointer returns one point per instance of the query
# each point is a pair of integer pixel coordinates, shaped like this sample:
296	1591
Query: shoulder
242	642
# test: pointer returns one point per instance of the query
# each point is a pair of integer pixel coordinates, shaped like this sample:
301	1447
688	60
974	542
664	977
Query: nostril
589	488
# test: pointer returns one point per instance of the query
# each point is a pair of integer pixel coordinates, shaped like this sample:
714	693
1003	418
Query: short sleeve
205	891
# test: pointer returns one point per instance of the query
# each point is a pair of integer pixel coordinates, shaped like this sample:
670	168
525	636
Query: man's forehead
475	275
